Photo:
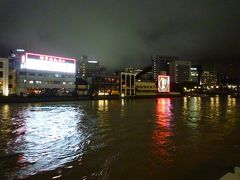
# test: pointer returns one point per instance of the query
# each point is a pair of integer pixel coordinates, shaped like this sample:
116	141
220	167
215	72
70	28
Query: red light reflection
163	132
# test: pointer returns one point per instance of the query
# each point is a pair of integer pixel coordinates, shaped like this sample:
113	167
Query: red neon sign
163	83
50	58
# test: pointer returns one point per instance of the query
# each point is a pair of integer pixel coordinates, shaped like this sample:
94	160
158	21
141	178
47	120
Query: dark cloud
123	33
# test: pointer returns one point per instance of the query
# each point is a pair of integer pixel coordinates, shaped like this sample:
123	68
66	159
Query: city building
106	85
82	87
127	84
196	73
4	81
180	71
145	88
209	79
88	68
38	74
161	65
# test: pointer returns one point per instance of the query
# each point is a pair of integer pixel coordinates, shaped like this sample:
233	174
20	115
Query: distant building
180	71
4	81
106	85
127	84
196	73
37	74
161	65
88	68
209	79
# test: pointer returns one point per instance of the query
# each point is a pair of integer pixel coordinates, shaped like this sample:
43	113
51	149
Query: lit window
38	82
30	82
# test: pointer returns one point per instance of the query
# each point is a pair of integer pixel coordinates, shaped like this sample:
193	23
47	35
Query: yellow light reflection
103	105
231	101
5	111
192	114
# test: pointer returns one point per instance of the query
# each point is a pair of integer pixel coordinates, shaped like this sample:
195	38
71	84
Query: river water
164	138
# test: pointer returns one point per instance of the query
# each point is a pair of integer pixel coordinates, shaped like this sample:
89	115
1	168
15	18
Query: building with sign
4	77
161	65
38	74
163	84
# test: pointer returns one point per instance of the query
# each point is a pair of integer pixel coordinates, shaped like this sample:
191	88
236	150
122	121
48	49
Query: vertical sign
163	83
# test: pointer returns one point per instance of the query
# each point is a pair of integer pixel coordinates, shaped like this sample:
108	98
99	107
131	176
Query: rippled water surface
179	138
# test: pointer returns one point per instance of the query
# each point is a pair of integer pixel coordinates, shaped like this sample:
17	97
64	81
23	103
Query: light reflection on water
163	131
47	137
162	138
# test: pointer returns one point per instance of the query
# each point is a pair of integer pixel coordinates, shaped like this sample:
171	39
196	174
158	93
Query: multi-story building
161	65
196	73
88	68
4	83
106	84
37	74
180	71
209	79
127	84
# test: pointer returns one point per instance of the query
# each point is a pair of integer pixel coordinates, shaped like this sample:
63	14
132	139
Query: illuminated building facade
37	74
127	84
196	73
209	79
106	85
4	81
145	88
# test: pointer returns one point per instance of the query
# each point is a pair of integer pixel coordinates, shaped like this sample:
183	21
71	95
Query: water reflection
194	110
163	131
120	139
102	105
46	138
231	102
5	111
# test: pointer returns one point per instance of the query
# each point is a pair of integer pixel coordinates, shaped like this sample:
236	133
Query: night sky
122	33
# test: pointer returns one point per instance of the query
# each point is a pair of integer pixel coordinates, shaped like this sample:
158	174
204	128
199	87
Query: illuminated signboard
163	83
48	63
